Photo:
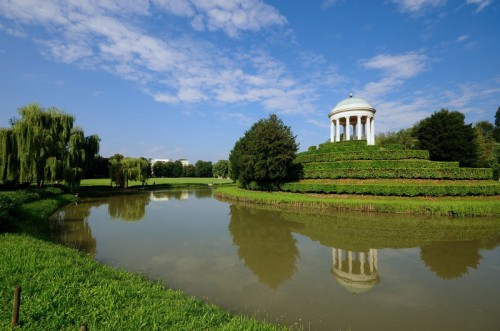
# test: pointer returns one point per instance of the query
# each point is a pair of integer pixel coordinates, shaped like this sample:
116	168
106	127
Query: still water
315	269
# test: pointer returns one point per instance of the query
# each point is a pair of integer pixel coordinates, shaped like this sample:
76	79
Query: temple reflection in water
357	272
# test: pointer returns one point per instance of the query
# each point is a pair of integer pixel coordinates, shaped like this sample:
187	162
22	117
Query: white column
340	259
358	127
362	262
334	256
347	131
337	130
331	131
372	131
349	256
367	125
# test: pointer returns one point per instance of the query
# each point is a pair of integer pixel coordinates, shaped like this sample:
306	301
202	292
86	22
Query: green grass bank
443	206
63	288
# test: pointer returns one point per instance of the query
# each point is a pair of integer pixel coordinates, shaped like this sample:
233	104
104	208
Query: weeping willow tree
47	147
9	163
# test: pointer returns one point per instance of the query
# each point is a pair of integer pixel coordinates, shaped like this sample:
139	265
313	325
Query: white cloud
230	16
395	70
481	4
108	35
330	3
417	6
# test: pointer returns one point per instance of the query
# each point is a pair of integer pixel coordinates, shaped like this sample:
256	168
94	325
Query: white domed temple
352	113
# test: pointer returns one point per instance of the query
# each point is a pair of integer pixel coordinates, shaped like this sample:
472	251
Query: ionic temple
356	118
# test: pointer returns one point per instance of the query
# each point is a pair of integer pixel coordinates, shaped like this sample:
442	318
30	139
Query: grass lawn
63	288
450	206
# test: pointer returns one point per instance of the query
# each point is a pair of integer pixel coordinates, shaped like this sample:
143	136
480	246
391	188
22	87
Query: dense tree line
448	138
42	145
176	169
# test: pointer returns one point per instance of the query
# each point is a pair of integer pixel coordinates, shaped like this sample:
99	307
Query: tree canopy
447	138
43	145
263	157
221	169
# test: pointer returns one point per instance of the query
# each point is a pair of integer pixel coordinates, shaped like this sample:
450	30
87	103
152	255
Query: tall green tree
496	132
177	169
263	157
486	143
9	162
221	169
48	148
122	169
203	168
116	174
135	169
447	138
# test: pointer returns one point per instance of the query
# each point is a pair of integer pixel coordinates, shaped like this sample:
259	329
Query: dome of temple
351	104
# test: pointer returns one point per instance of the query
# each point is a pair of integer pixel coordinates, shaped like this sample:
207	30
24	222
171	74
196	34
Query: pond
320	270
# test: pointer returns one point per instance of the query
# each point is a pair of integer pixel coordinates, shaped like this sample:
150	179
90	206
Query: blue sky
186	78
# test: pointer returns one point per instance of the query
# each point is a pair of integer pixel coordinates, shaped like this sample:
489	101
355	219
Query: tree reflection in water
128	207
265	243
451	260
72	228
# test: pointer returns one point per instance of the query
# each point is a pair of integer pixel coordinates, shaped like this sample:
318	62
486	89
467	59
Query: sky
184	79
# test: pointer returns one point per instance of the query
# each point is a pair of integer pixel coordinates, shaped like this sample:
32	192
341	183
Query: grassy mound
389	170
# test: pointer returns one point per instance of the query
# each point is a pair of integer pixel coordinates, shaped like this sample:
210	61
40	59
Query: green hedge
356	145
380	164
306	157
489	188
424	173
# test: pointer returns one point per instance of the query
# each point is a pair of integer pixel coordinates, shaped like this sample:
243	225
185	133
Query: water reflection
449	247
128	208
72	227
265	243
450	260
301	265
357	272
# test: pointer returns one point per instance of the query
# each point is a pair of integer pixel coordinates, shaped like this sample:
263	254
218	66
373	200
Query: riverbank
63	288
102	186
443	206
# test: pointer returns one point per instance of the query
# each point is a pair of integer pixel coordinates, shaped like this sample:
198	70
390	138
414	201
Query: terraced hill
356	168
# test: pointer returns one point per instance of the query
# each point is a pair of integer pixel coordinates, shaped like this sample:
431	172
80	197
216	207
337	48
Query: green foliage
425	173
403	137
189	171
447	138
135	169
368	154
11	201
221	169
122	169
263	157
203	168
398	188
486	156
379	164
43	146
9	162
312	148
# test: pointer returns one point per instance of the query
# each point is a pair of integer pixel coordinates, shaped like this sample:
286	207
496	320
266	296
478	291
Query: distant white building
153	161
